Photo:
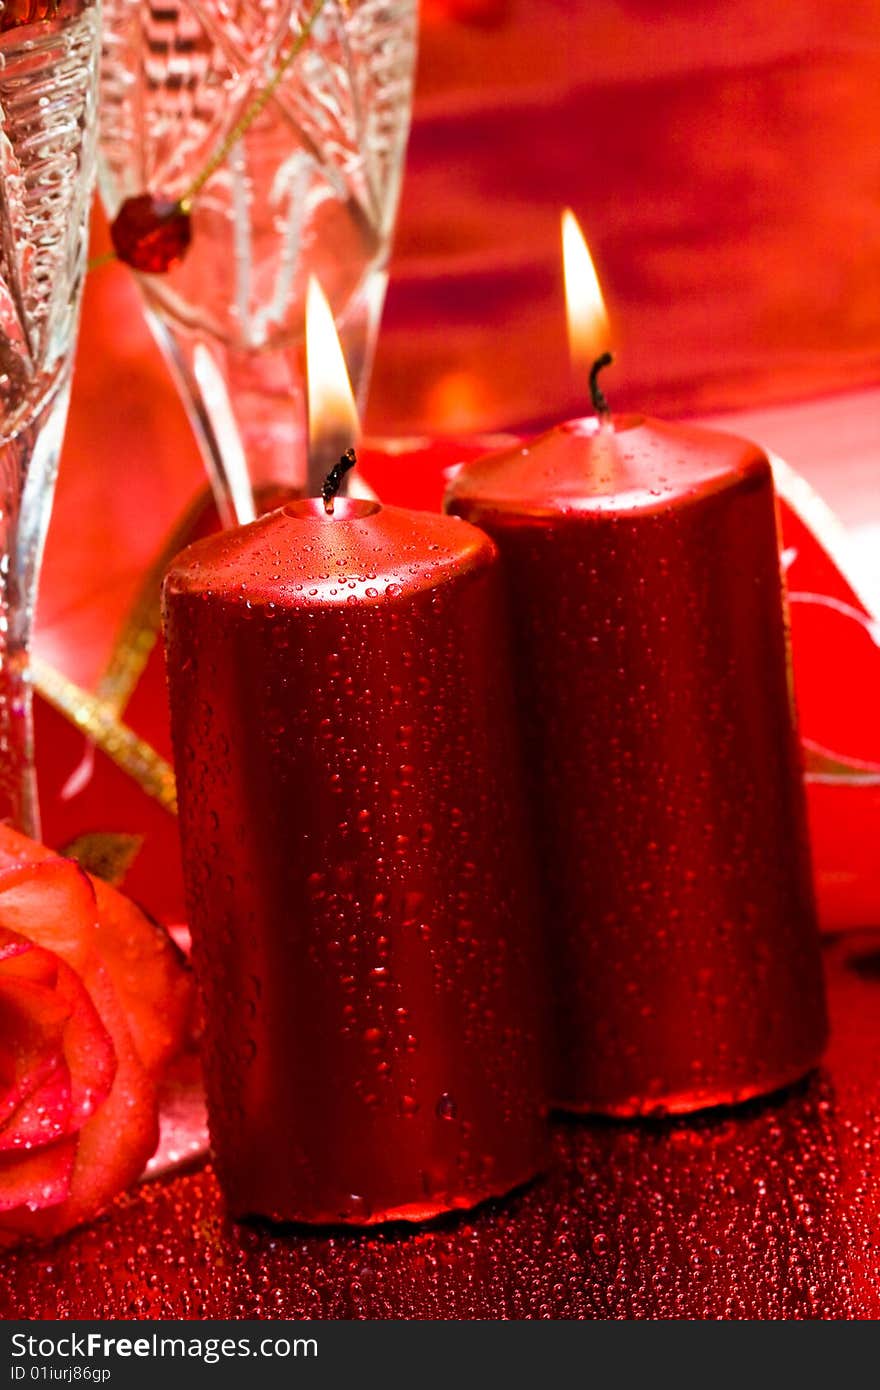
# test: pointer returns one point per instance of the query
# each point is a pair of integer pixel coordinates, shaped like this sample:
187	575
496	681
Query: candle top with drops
359	554
619	465
602	465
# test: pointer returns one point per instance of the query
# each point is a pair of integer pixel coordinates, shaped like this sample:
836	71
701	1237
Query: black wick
333	481
600	405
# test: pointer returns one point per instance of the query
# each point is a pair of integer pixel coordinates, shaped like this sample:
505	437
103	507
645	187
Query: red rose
93	1002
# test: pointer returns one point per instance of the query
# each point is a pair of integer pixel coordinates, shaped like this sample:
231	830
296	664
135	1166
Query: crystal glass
48	106
310	189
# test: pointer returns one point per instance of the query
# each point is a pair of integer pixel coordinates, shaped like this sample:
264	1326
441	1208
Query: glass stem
28	469
248	413
247	406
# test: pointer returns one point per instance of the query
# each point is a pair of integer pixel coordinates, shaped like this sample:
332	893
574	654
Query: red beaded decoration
151	234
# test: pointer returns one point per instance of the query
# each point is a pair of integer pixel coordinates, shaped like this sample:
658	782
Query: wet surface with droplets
772	1211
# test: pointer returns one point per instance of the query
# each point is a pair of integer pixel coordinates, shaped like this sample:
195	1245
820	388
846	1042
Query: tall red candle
357	865
644	584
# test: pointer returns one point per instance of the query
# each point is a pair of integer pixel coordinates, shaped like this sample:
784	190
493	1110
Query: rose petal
51	903
41	1117
88	1050
153	983
114	1144
50	1031
142	979
12	945
145	965
16	849
32	1021
35	1073
35	1181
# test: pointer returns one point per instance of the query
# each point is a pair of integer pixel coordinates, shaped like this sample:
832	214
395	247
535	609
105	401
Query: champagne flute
48	118
310	188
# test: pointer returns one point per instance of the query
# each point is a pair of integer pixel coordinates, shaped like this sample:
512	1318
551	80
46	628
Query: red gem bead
151	234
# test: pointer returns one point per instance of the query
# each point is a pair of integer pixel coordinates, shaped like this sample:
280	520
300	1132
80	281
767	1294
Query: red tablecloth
769	1212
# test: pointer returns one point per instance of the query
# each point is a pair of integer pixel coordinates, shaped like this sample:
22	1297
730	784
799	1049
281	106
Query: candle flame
333	417
588	327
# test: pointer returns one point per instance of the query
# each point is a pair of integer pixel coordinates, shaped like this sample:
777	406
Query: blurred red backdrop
723	161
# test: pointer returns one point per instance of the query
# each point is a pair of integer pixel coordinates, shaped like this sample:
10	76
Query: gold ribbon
98	719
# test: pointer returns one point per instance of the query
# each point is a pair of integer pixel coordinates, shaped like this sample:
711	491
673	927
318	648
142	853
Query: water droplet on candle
446	1107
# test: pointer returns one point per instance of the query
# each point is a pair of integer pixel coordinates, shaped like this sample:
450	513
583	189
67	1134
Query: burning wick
333	481
600	404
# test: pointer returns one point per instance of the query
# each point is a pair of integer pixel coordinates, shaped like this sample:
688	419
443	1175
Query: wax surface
645	596
357	864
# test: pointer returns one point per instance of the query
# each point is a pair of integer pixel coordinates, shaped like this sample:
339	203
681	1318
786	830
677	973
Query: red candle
644	584
356	864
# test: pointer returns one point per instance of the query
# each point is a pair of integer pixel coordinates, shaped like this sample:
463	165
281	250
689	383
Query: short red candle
357	864
644	583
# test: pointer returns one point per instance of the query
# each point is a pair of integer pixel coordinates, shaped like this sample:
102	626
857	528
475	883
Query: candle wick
333	481
600	404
